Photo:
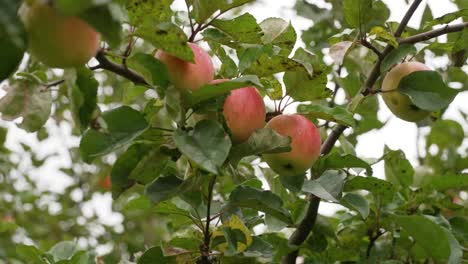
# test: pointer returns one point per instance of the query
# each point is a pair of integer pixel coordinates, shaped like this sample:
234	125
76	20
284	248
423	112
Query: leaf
143	13
448	181
259	248
280	33
427	90
303	87
396	56
264	61
209	91
104	19
445	19
167	37
12	39
163	188
243	28
25	99
398	169
327	187
338	51
335	160
63	250
30	253
155	255
264	140
236	236
152	70
293	183
446	134
356	202
119	126
357	12
203	9
337	114
385	36
272	87
379	188
207	145
260	200
83	97
424	231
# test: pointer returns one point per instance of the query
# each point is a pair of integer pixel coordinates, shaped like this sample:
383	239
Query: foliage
184	192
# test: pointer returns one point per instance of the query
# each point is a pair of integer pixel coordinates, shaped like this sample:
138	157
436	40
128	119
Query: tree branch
307	224
205	247
106	64
433	33
368	45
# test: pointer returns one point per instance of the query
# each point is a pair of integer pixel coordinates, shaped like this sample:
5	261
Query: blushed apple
305	145
400	104
188	75
57	40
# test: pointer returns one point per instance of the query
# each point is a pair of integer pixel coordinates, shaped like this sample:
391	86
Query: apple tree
219	135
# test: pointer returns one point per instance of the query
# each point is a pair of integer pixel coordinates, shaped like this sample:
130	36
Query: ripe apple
188	75
57	40
244	112
305	145
400	104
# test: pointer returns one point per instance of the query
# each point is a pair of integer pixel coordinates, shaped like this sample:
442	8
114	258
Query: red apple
400	104
305	145
57	40
188	75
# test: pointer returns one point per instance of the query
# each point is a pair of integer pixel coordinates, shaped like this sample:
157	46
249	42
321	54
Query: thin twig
433	33
205	248
368	45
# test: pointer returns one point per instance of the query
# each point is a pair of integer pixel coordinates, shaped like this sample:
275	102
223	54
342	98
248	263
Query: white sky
397	134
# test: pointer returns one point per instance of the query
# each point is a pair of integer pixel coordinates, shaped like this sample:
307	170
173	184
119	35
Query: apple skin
400	104
57	40
188	75
244	112
305	145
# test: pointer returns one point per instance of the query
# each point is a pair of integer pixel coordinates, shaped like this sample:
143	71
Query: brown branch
433	33
106	64
205	247
368	45
307	224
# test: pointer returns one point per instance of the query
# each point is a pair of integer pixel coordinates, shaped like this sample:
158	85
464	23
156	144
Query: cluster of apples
244	112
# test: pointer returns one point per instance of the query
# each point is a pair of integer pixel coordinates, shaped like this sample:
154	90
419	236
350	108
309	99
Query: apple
305	145
106	183
57	40
400	104
188	75
244	112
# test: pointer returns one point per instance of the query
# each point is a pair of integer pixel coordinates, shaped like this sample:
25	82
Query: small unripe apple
305	145
400	104
244	112
57	40
188	75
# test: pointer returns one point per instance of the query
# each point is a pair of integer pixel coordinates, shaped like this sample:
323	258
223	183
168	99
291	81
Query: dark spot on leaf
288	166
414	107
394	101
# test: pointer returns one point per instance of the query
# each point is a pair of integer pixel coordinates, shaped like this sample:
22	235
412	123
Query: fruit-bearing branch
306	225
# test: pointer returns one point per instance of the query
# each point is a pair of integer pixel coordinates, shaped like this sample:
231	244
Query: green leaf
356	202
153	164
357	12
264	61
447	18
243	28
260	200
118	127
337	114
446	134
26	99
207	145
203	9
153	70
424	232
398	169
167	37
142	13
264	140
83	95
379	188
328	187
396	56
335	160
104	19
209	91
280	33
155	255
163	188
30	254
293	183
448	181
303	87
427	90
63	250
259	248
12	38
385	36
272	87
